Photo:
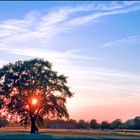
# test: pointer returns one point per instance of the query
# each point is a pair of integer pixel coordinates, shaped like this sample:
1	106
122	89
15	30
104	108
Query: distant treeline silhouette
82	124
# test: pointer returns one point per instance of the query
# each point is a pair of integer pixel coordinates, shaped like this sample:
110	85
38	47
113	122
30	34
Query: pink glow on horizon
107	113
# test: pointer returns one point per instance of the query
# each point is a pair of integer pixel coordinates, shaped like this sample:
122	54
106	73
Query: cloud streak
106	10
131	40
39	29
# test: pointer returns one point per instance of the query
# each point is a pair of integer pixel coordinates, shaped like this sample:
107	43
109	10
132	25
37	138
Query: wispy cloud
106	10
131	40
39	29
54	56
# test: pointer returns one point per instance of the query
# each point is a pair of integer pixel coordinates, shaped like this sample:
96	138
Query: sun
34	101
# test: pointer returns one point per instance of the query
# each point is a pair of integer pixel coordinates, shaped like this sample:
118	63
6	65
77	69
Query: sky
95	44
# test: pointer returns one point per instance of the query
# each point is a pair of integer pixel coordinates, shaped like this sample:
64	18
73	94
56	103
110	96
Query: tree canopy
31	89
94	124
116	124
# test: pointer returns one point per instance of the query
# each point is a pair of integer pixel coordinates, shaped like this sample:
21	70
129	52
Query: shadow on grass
22	136
40	136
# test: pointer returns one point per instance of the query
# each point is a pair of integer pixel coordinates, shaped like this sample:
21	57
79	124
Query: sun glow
34	101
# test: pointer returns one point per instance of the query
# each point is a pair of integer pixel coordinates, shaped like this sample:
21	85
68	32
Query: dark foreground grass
43	136
20	133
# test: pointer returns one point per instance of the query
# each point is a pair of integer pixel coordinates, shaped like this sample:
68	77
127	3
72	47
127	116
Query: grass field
23	133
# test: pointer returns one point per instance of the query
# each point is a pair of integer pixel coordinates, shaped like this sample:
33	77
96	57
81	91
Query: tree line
82	124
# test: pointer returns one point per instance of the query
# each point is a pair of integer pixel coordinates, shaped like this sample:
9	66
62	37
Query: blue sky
96	44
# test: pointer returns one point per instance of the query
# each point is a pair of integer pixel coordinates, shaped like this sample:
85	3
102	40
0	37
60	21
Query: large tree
31	91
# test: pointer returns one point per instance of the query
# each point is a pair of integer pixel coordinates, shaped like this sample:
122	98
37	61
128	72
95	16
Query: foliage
132	123
105	125
24	80
94	124
82	124
137	122
60	123
116	124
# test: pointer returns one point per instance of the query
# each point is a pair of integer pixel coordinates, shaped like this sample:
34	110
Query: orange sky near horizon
105	113
108	109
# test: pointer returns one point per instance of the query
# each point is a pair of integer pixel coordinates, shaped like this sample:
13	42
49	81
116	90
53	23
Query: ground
23	133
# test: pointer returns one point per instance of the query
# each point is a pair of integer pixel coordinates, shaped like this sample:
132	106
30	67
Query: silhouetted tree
129	124
73	122
136	123
82	124
105	125
116	124
68	124
94	124
31	90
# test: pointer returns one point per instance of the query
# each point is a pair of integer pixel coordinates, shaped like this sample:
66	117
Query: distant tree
123	126
132	123
105	125
116	124
70	123
82	124
46	123
3	122
129	124
73	122
31	91
136	123
94	124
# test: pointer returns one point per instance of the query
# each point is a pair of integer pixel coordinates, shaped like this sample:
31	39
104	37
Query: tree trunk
33	125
